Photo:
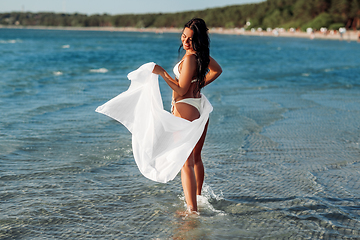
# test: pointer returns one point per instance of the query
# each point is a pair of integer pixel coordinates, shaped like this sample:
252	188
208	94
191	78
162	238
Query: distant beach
350	35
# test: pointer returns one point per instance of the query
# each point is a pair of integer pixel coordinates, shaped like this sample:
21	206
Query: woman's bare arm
182	86
214	71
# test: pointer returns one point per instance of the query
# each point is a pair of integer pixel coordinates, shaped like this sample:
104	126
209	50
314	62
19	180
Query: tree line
299	14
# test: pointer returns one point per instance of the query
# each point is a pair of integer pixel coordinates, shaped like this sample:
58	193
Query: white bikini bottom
195	102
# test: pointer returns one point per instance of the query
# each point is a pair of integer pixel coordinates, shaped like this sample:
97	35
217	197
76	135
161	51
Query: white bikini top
176	69
177	72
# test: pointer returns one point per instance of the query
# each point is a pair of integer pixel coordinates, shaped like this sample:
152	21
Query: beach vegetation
298	14
336	26
322	20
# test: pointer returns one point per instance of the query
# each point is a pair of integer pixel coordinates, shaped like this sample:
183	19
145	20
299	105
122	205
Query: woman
196	70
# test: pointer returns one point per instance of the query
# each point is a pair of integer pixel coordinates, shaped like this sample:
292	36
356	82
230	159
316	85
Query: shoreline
348	36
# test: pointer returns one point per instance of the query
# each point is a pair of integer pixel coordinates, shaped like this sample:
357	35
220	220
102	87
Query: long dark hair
200	43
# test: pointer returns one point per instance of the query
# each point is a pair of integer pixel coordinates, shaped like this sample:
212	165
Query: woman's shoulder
190	58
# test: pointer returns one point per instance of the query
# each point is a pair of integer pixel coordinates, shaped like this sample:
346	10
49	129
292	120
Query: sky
114	6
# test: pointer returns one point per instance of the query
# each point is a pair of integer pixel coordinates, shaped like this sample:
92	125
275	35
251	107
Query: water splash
204	202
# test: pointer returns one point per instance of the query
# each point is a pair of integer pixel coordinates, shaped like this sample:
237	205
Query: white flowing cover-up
161	142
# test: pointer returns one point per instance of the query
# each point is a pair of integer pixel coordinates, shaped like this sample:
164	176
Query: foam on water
100	70
58	73
11	41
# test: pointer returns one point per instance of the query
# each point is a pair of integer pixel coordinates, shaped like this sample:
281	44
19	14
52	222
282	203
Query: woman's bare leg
198	165
188	178
188	181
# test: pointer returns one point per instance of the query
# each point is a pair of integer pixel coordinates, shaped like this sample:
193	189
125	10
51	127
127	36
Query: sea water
282	154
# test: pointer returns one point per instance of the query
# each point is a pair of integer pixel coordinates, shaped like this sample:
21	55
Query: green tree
323	20
354	9
340	7
273	20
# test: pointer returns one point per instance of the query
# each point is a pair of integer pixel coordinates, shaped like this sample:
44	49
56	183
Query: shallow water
282	152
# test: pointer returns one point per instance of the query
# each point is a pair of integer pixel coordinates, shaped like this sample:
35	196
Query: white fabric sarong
161	142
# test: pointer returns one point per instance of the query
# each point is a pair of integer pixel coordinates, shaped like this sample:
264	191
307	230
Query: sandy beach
348	36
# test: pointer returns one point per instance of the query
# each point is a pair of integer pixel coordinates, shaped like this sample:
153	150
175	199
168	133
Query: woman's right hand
158	70
168	79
